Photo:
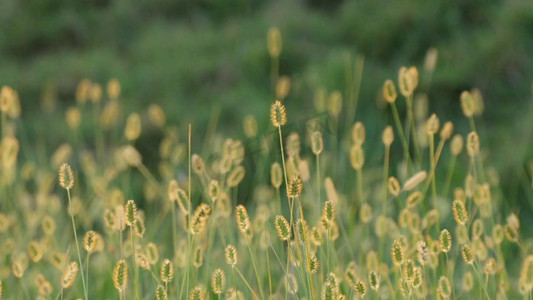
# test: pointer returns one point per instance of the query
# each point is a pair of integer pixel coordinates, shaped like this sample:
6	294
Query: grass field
298	168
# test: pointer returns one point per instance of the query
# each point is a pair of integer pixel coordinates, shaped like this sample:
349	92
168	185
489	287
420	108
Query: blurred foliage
202	59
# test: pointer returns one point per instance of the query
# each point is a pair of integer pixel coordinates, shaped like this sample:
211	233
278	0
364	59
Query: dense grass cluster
296	212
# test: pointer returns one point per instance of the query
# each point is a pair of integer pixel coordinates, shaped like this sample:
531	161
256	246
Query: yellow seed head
393	186
218	281
197	164
472	144
373	280
156	115
113	89
313	264
467	104
69	275
317	143
276	176
444	287
389	91
73	118
95	93
282	227
357	157
183	200
132	131
200	218
526	274
388	136
360	288
414	180
161	293
35	251
130	210
468	255
152	253
397	253
468	281
422	252
274	42
460	213
414	199
445	241
430	61
497	233
283	87
231	255
243	221
447	130
366	213
432	125
120	275
335	103
250	126
66	176
278	115
48	224
167	271
456	145
236	176
358	133
295	187
196	294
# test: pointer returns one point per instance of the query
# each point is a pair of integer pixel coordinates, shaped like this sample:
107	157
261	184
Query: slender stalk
403	139
246	283
135	271
252	256
85	292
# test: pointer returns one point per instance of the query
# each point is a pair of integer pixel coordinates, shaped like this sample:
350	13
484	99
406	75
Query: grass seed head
133	128
130	210
236	176
415	180
231	255
282	227
243	221
472	144
218	281
467	104
278	115
389	91
196	293
388	136
167	271
283	87
468	255
432	125
317	143
460	213
295	187
69	275
397	253
445	241
66	176
357	157
274	42
358	133
447	131
161	293
456	145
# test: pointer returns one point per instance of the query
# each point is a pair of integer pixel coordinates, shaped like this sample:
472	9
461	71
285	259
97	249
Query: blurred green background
202	58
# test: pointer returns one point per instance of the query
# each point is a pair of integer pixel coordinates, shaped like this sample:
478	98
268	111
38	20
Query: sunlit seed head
152	253
422	252
432	125
404	83
498	234
468	281
276	176
274	42
295	187
200	218
317	143
447	131
161	293
218	281
166	271
357	157
360	288
389	91
445	241
131	156
511	233
477	228
73	118
397	253
335	103
250	126
328	212
316	236
358	133
278	115
283	87
414	180
35	251
48	224
313	264
89	242
282	227
132	131
231	255
130	210
472	144
66	176
388	136
236	176
414	199
393	186
243	221
460	213
95	93
156	115
198	256
197	293
113	89
183	200
467	104
467	254
69	275
444	287
456	145
197	164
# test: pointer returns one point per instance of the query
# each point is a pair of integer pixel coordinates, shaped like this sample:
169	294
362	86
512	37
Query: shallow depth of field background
198	58
207	60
